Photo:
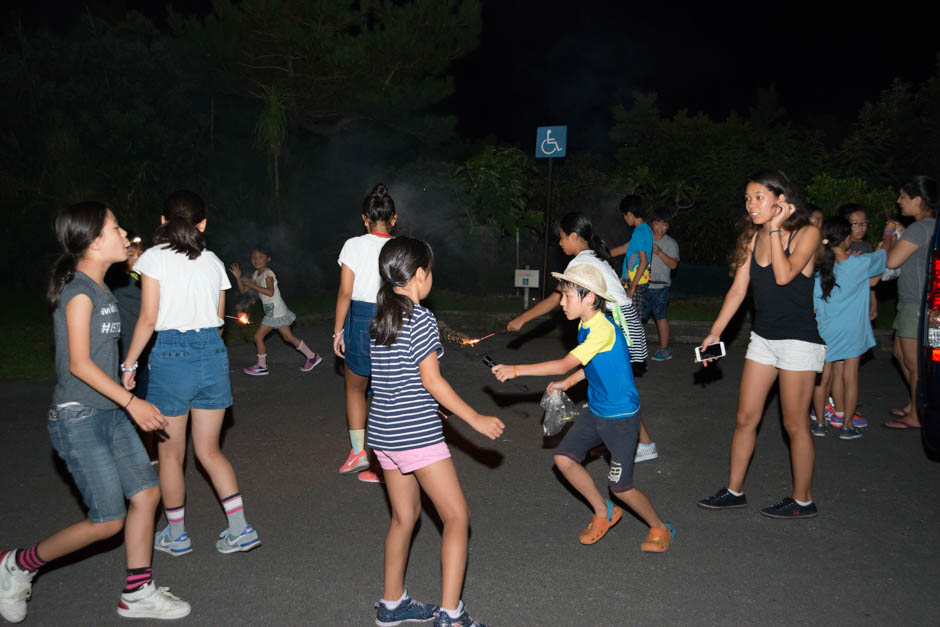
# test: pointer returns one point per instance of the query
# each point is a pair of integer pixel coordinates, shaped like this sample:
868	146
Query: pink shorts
412	459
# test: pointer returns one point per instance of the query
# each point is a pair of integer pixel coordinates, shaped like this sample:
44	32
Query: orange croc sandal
659	540
600	525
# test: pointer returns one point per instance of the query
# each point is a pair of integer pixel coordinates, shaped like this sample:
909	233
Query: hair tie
391	282
825	241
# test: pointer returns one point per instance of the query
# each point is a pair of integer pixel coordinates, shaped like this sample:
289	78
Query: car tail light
933	307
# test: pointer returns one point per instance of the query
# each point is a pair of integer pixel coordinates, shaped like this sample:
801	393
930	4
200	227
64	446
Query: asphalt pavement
870	558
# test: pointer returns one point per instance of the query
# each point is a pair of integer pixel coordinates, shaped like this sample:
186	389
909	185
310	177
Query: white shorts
786	354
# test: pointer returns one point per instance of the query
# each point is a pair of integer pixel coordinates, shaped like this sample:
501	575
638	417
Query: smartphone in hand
712	351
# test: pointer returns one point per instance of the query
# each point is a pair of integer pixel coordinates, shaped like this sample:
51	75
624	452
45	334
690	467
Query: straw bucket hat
588	277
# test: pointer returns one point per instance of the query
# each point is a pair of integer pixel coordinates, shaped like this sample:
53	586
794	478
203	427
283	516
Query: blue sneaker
662	354
175	547
408	611
245	541
443	619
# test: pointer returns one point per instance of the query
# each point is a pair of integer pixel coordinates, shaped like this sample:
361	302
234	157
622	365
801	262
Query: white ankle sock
393	604
803	504
455	613
735	493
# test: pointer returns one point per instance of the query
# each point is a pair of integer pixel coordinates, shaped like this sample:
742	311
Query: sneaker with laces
819	430
256	371
723	499
831	416
849	433
443	619
645	452
15	588
858	421
369	476
658	540
355	462
152	602
311	363
175	547
600	525
788	508
662	354
408	611
245	541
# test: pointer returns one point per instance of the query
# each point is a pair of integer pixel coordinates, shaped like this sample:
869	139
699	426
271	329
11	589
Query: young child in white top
355	308
276	314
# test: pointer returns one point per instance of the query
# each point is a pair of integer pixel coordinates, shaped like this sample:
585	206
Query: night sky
565	62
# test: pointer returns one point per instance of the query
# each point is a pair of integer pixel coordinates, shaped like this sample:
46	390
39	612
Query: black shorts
619	435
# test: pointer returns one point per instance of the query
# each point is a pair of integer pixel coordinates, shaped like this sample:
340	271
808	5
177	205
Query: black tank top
782	312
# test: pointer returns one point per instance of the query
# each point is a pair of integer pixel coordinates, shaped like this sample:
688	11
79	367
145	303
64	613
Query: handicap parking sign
550	142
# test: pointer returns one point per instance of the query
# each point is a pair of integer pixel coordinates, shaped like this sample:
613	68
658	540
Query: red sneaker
355	462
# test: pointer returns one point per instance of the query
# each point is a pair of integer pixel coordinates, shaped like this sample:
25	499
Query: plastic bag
559	410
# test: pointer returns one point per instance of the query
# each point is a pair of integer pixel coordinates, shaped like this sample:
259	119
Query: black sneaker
723	499
788	508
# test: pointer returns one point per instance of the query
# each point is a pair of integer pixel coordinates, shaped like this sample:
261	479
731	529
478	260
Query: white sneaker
645	452
15	587
152	602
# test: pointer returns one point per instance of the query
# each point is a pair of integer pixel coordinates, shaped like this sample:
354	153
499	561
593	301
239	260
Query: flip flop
900	413
899	425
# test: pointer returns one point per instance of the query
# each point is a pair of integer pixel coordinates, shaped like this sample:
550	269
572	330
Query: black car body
928	380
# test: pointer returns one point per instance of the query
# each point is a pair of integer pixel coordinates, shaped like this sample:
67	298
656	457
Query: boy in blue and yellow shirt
612	416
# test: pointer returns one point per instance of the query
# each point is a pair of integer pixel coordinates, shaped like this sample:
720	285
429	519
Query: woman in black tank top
775	257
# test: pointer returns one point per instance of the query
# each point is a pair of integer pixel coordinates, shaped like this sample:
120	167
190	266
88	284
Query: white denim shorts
786	354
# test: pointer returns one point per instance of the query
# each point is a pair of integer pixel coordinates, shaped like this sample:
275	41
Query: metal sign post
551	143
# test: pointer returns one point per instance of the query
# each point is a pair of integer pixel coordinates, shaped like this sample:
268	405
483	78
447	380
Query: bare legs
355	400
138	532
581	480
796	389
905	351
207	425
662	327
263	331
820	394
439	481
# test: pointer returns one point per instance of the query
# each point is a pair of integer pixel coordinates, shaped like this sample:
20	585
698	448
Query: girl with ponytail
405	433
89	427
355	308
183	298
840	297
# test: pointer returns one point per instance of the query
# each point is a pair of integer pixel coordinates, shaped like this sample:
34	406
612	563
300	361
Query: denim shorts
655	303
619	435
189	370
356	337
105	456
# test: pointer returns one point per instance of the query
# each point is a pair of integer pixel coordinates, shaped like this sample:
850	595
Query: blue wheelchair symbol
550	142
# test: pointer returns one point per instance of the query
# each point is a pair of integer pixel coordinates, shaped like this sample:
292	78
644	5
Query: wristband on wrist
128	403
338	333
131	369
515	371
775	231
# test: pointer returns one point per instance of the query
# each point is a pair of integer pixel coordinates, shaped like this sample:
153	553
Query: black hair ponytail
183	210
76	227
834	232
581	225
398	262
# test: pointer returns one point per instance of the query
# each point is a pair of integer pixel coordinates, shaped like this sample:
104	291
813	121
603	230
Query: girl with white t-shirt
577	239
355	308
183	297
276	314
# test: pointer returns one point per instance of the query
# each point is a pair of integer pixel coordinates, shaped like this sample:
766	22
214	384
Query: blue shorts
356	337
656	302
104	454
189	370
619	435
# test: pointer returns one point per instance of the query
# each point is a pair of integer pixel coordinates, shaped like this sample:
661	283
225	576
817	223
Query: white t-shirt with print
274	306
361	255
189	288
614	288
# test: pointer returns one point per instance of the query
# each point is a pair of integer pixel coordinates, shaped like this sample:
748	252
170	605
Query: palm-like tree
270	133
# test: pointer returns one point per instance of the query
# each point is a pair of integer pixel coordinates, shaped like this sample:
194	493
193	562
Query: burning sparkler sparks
242	318
480	339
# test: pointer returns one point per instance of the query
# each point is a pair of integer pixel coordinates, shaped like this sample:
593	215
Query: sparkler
242	318
485	337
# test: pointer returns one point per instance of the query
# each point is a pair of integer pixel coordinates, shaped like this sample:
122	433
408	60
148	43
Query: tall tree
271	133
